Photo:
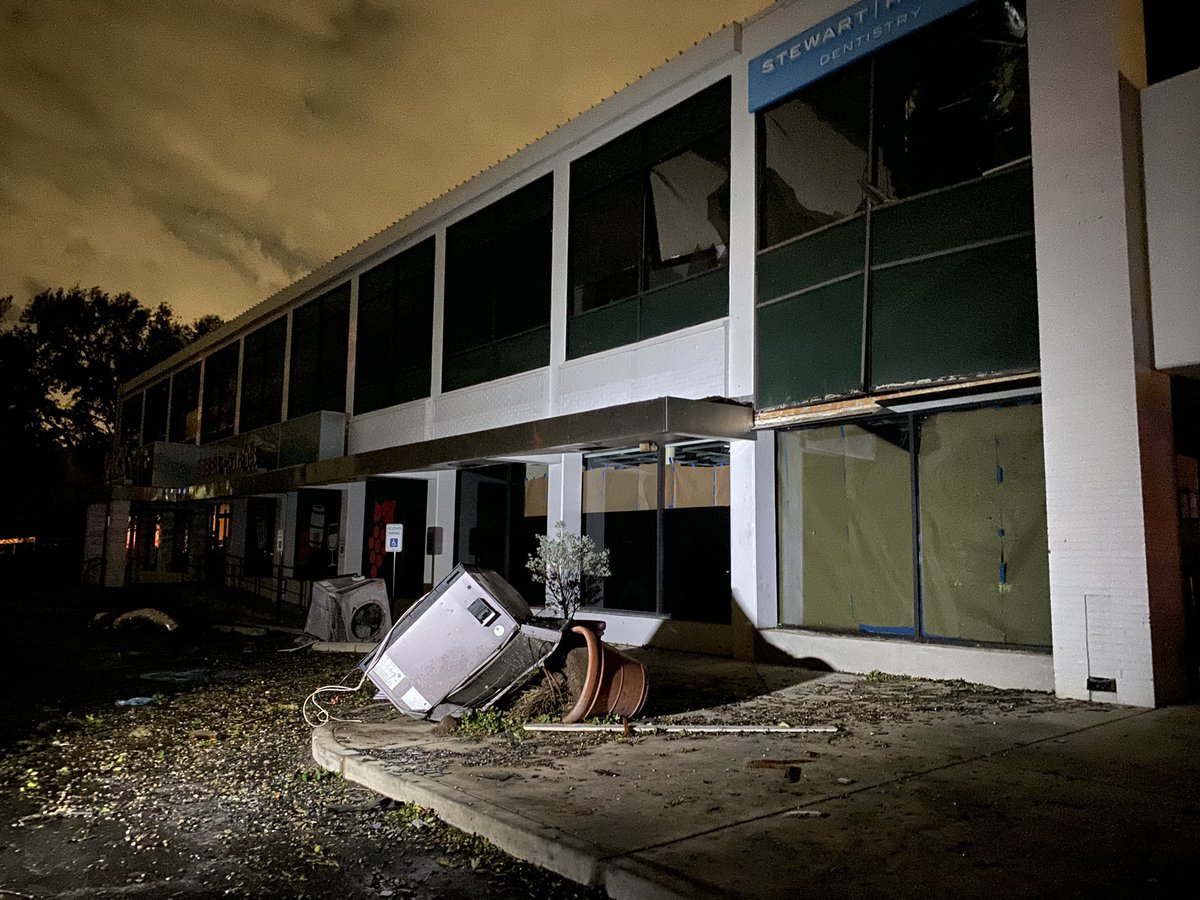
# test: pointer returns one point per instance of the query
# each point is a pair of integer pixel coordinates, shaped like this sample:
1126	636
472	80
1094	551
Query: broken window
985	565
649	210
847	549
896	217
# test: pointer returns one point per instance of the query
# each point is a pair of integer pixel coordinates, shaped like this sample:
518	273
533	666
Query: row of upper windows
496	318
648	243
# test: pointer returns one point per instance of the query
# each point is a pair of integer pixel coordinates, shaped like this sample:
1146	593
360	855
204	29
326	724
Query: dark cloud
207	154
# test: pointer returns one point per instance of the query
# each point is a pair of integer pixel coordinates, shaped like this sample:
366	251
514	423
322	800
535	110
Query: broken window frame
804	272
916	630
617	216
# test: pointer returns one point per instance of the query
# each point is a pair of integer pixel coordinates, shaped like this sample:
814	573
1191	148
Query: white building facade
863	335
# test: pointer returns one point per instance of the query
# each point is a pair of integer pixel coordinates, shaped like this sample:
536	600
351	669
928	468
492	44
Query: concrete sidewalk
927	789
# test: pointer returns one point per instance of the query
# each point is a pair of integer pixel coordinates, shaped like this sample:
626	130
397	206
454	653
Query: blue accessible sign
394	537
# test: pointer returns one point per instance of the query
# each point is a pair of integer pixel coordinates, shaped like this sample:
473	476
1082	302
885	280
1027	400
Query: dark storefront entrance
390	501
499	512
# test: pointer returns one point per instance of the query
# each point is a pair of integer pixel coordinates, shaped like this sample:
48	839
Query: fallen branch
651	728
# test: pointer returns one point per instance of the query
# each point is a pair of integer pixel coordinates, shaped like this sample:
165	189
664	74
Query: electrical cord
322	714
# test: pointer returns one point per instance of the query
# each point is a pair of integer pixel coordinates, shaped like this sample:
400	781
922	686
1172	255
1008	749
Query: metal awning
663	420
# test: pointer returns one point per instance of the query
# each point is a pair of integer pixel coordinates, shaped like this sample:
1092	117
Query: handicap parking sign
394	537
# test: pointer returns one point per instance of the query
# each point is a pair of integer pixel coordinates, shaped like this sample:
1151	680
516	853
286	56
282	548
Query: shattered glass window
650	211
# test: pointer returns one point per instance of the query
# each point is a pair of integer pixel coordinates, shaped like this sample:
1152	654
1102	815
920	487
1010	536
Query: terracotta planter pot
613	683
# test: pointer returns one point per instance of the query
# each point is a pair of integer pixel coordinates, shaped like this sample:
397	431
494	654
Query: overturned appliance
463	646
349	608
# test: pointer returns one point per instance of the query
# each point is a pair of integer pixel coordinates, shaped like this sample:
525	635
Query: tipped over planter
610	682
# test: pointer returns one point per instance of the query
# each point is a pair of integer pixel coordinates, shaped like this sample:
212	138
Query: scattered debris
129	802
773	763
806	814
146	614
245	630
136	701
845	781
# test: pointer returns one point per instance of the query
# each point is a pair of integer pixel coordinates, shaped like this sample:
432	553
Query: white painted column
1115	609
351	348
439	310
559	288
441	502
752	540
350	548
564	494
287	366
743	239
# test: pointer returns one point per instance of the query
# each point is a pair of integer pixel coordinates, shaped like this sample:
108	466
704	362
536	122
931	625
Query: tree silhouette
64	360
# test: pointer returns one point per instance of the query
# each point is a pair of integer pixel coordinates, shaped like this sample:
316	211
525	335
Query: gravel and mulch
209	790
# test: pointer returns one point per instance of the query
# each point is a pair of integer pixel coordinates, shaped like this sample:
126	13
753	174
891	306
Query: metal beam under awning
663	420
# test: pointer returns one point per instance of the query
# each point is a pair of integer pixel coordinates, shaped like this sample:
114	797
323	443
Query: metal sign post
394	538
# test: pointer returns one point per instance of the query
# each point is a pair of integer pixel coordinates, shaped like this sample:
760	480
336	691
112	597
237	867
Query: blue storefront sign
839	40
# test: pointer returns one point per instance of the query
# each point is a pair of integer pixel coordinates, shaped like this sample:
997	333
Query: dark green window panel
810	347
185	405
668	309
497	294
991	208
521	353
467	368
685	304
962	314
508	357
817	258
602	329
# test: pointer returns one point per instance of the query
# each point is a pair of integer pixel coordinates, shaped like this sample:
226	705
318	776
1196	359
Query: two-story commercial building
864	334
